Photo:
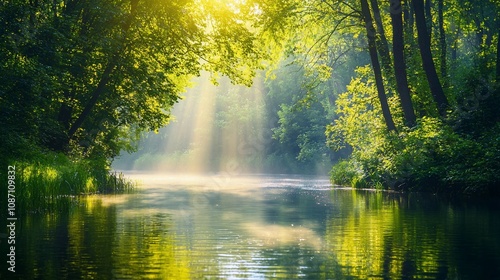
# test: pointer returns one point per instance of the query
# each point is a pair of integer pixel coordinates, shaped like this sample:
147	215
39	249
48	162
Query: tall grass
54	182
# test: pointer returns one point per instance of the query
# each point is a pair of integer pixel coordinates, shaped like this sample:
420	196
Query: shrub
435	155
343	173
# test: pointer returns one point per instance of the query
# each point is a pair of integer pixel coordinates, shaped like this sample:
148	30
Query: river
259	227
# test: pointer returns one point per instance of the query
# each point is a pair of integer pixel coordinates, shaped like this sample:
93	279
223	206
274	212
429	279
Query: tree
442	42
399	63
98	72
382	46
428	64
298	128
372	48
498	55
428	17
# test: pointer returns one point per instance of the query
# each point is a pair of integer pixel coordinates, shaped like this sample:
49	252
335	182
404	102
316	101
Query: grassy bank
53	181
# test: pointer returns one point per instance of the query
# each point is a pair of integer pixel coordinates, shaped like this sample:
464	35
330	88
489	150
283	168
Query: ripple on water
261	227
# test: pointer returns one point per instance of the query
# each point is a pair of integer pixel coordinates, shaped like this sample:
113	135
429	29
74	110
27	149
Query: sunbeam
216	129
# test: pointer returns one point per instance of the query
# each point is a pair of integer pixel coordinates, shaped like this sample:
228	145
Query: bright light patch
217	129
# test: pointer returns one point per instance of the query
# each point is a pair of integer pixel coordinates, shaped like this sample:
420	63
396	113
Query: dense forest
394	94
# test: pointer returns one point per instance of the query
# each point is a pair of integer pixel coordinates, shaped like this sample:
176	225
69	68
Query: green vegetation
81	80
236	129
405	92
420	113
51	182
450	149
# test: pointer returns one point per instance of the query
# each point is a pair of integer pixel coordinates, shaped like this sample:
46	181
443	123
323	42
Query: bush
430	157
343	173
453	156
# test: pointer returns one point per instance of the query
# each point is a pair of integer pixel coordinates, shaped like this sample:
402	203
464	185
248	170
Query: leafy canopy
85	77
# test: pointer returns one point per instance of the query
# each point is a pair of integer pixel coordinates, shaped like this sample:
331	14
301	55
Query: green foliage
260	128
477	103
344	172
454	152
300	113
429	157
302	132
88	78
85	78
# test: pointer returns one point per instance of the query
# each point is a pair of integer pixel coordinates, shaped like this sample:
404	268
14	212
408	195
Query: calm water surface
261	227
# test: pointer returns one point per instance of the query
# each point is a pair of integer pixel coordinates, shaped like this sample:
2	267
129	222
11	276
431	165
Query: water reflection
416	236
260	228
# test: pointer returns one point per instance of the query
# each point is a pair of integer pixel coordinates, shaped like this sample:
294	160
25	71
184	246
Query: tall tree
372	48
409	19
105	77
427	61
442	42
399	62
498	54
428	17
382	45
108	69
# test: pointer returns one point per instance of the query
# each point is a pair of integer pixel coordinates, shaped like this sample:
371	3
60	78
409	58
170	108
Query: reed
53	182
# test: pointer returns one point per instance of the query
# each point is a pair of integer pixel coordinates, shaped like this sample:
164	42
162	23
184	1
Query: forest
399	95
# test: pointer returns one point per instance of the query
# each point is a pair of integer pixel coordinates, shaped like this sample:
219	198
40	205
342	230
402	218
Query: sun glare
216	129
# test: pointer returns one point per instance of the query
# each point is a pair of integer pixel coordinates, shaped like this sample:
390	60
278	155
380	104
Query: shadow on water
259	227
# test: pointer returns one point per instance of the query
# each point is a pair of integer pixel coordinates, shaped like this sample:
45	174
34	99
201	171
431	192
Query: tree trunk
370	31
399	63
479	32
106	76
382	45
428	63
498	57
409	20
442	43
428	18
96	93
455	28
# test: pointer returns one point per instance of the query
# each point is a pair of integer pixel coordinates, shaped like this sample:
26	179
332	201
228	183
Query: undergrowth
52	182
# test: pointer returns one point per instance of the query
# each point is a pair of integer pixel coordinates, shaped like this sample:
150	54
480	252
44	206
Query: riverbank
51	181
430	157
